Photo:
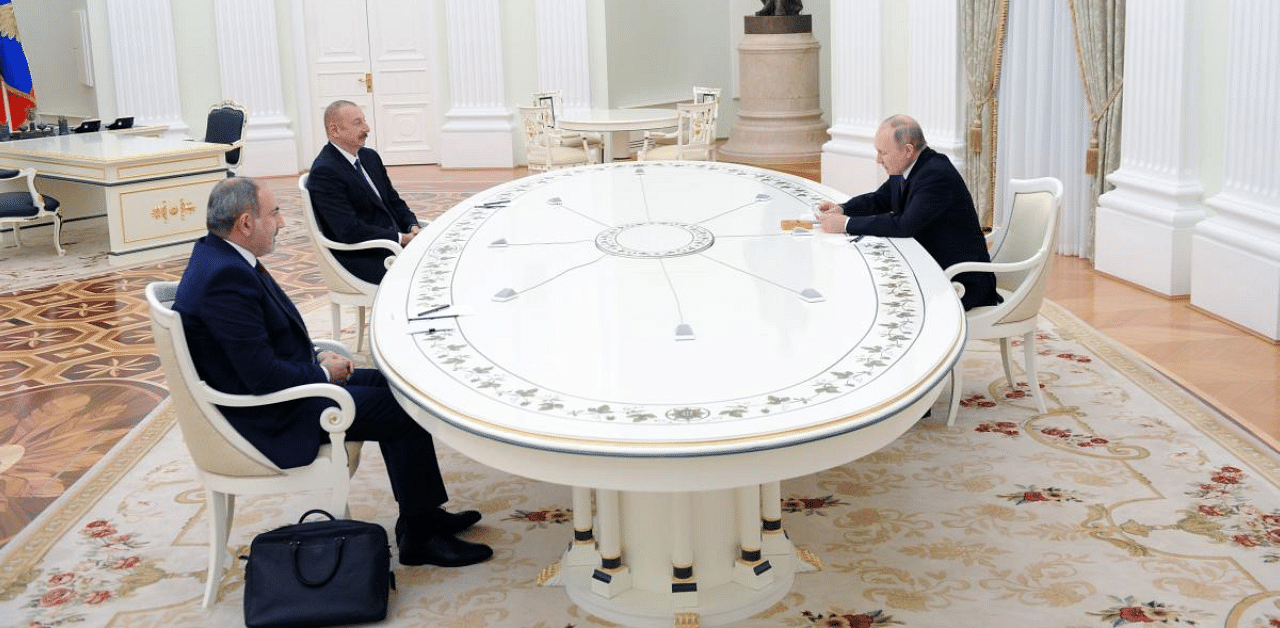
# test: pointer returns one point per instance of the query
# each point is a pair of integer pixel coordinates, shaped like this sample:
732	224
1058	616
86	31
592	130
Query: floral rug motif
1129	503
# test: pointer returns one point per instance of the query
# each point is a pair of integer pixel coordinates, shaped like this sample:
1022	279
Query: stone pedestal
779	118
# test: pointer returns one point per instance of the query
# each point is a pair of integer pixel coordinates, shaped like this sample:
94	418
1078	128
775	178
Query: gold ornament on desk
180	210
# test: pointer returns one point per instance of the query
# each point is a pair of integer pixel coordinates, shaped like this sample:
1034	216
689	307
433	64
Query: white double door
379	54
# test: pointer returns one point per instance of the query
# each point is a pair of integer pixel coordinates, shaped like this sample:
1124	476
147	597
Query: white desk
647	332
617	125
153	191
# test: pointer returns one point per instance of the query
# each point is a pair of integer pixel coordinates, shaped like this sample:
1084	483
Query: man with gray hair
247	338
925	198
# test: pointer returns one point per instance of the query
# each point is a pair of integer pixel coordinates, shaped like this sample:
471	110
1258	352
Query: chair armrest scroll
332	419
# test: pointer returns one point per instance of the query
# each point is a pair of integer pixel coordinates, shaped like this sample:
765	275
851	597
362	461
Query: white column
1156	202
1236	253
477	131
849	159
563	63
583	549
145	63
933	76
752	569
248	58
684	584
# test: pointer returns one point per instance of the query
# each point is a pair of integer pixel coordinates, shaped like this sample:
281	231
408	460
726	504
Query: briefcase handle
297	567
315	511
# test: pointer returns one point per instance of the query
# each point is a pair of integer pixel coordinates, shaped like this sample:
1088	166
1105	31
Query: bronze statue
781	7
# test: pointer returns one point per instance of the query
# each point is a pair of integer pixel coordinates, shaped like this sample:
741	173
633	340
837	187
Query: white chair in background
555	100
703	94
227	464
710	94
1021	256
694	135
546	147
344	287
700	95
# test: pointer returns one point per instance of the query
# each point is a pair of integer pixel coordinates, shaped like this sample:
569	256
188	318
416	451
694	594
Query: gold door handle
367	79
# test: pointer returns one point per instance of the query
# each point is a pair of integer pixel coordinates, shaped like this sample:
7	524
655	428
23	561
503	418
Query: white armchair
694	136
344	287
227	464
1020	258
554	99
547	148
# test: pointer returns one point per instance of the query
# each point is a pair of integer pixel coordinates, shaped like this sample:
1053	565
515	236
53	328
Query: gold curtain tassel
1091	157
975	136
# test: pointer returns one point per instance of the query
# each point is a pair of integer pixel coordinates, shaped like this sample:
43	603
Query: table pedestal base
665	559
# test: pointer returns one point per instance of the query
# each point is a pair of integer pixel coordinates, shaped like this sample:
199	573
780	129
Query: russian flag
18	90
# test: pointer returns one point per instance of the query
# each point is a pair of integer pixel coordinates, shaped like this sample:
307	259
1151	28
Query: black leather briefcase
317	573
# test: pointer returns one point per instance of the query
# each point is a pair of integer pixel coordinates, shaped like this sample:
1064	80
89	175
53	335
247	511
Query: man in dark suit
246	337
925	198
352	194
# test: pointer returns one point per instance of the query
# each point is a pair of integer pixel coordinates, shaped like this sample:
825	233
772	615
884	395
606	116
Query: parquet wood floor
77	369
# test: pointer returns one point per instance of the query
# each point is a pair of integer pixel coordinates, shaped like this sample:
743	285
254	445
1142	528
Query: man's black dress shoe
437	521
443	550
454	522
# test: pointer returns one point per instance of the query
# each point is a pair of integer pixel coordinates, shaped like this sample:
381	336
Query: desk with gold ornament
152	190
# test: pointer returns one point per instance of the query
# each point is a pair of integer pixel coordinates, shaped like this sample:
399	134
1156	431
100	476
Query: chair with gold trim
546	147
694	135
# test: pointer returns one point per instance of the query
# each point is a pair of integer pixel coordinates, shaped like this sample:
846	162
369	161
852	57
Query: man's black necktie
278	294
897	192
369	182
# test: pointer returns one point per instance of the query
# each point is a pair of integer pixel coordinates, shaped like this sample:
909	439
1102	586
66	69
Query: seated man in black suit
925	198
247	338
352	194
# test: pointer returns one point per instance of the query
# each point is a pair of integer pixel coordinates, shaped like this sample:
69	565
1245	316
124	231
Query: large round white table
649	334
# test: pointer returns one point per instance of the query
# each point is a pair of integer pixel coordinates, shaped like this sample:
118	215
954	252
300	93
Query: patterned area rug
1128	503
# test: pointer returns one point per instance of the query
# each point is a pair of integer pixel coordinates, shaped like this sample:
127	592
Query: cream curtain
1044	116
1099	38
982	24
